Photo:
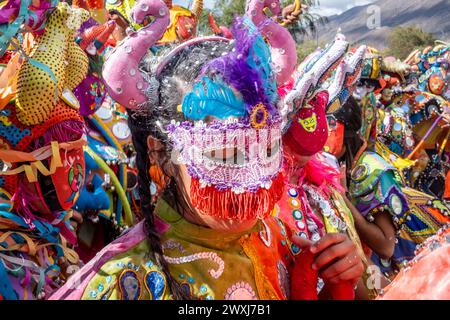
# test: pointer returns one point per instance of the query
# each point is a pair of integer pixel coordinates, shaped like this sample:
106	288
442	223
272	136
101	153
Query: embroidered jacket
209	264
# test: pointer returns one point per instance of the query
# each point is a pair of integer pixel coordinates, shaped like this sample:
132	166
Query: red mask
62	190
186	28
308	132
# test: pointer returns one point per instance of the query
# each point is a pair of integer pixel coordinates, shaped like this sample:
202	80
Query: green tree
226	10
403	40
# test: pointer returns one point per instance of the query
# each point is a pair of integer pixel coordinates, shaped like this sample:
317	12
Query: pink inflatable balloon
283	50
123	80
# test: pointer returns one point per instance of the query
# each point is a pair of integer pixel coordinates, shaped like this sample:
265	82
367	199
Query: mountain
431	15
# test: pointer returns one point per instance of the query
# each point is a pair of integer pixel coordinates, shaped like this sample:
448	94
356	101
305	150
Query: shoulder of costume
130	246
368	172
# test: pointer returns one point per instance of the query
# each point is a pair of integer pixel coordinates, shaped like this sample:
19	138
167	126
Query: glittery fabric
209	264
376	187
37	92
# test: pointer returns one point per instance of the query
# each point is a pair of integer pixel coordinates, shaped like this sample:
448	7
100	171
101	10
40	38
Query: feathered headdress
237	82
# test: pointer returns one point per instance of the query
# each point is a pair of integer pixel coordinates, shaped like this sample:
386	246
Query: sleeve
385	196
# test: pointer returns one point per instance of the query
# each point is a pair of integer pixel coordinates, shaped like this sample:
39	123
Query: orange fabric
266	265
335	140
447	186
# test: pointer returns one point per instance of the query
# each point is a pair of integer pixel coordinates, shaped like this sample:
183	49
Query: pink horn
121	73
283	50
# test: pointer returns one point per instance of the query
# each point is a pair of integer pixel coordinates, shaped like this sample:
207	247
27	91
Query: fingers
78	217
334	252
328	240
302	243
348	262
353	274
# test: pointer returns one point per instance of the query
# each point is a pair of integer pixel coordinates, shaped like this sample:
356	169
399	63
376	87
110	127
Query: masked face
309	123
237	166
230	144
335	141
240	159
308	132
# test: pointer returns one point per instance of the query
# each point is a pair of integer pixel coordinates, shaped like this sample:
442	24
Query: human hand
337	259
76	219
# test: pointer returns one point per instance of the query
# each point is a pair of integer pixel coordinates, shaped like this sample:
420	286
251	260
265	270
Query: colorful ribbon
35	158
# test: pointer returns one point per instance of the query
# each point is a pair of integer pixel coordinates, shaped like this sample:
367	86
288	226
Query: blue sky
326	8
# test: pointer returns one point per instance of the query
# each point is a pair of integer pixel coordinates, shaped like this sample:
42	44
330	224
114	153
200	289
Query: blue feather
260	59
212	98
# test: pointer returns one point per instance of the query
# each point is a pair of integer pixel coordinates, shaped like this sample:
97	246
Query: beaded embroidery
201	256
130	285
240	291
155	283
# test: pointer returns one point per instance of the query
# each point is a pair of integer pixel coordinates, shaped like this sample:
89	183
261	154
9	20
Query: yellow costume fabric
208	263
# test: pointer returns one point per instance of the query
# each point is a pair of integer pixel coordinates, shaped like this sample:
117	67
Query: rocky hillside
431	15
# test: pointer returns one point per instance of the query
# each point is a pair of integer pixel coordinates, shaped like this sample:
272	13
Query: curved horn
283	49
197	8
346	76
121	73
310	76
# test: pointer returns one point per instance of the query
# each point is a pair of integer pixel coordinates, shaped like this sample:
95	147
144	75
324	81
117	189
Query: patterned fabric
209	264
312	211
376	187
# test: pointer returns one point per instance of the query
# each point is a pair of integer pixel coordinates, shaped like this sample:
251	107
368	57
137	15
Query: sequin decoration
201	256
360	172
129	285
240	291
265	235
9	132
396	204
283	279
155	283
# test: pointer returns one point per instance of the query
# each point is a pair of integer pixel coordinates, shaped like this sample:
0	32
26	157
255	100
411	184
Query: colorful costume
312	205
105	198
380	174
376	186
42	139
183	21
203	260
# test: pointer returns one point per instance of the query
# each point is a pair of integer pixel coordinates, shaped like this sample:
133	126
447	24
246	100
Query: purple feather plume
234	69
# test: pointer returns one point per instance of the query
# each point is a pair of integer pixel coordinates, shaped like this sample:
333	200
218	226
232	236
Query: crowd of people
140	159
